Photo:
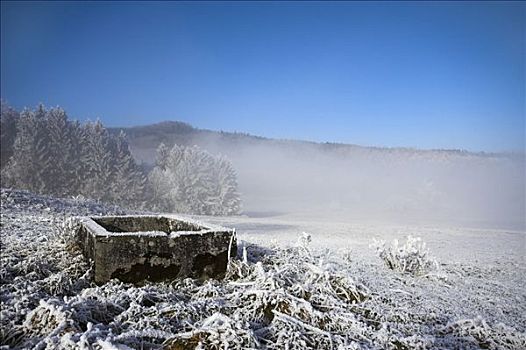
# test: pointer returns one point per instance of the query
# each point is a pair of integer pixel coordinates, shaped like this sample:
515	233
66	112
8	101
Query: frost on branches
50	154
45	152
190	180
412	257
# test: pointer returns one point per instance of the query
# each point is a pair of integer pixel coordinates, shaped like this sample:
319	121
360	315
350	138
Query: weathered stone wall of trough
120	249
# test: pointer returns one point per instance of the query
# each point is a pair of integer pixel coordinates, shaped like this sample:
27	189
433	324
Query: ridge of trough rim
98	230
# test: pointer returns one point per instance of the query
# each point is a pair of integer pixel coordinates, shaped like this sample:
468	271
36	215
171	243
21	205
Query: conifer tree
53	155
98	163
27	167
128	181
8	128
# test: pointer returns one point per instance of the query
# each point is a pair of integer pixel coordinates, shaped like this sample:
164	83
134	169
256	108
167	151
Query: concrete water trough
154	247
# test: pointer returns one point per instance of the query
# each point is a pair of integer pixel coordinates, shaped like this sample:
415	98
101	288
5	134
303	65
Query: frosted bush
304	240
477	333
411	257
49	317
216	332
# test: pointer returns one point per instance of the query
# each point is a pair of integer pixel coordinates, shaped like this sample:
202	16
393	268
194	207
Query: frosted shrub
216	332
412	257
479	334
49	317
65	230
304	240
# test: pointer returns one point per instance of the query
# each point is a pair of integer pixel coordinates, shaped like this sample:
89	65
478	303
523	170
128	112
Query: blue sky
426	75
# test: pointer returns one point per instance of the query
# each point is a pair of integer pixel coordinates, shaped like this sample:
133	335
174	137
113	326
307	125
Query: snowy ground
334	292
476	246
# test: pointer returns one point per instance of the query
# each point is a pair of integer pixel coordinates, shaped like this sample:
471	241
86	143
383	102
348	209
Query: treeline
44	152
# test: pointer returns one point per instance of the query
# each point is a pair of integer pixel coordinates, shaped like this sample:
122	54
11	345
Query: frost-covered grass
274	297
411	257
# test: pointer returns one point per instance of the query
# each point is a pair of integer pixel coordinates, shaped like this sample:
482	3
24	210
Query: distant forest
45	152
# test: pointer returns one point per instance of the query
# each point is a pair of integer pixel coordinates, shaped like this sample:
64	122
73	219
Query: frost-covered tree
162	156
190	180
30	160
110	173
8	121
158	183
60	174
228	195
53	155
97	159
128	182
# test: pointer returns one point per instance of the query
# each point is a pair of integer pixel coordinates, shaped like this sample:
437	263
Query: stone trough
155	248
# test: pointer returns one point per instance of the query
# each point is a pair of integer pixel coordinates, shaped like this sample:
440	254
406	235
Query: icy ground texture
294	297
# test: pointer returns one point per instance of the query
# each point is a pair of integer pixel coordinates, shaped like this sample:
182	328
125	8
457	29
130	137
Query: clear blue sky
427	75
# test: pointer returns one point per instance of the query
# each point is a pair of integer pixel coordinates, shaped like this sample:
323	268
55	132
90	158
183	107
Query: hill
364	183
145	139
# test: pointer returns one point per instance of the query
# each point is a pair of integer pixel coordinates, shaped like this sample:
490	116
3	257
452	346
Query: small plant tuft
411	257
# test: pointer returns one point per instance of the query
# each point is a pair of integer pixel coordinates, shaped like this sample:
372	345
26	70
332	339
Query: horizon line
377	147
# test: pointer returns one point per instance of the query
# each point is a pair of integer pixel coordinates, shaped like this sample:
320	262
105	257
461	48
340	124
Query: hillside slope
385	184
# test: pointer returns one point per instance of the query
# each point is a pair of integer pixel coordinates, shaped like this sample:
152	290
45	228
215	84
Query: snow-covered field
328	289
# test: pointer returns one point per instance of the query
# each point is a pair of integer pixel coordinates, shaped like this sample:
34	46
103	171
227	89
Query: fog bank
361	183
